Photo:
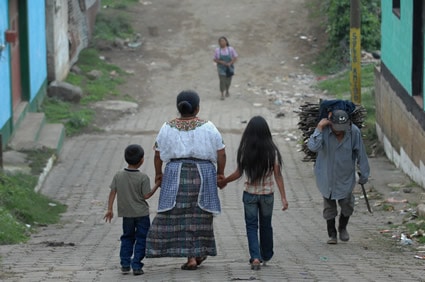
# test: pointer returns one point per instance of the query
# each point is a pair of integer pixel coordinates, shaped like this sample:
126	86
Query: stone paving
80	179
91	247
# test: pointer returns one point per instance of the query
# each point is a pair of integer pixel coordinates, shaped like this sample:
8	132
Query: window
396	8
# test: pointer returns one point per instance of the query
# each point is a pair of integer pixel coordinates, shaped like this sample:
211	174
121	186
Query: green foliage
22	209
336	55
338	12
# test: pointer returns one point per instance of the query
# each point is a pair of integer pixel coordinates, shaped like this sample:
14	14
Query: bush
337	12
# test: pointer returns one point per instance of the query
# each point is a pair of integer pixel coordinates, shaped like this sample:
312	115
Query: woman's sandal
199	260
187	266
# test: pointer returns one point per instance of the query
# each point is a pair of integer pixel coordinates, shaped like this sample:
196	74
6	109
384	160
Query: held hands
108	216
221	181
158	179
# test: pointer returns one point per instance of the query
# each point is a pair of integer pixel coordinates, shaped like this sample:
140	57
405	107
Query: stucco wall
396	41
57	39
400	124
82	16
37	47
5	91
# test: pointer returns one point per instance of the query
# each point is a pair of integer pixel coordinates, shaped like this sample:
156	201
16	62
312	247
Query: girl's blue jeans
133	241
258	217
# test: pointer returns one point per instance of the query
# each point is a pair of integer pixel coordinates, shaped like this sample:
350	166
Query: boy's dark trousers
133	241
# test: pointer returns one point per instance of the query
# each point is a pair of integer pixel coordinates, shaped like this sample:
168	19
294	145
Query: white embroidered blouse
194	138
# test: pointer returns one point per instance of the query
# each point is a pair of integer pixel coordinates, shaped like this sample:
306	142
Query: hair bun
185	107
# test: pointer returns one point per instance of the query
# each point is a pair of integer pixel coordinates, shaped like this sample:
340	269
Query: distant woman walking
225	56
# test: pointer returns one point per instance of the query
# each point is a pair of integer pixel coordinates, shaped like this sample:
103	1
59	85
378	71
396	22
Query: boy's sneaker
137	272
125	269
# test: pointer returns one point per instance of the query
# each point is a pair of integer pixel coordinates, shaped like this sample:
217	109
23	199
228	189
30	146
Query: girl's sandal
255	265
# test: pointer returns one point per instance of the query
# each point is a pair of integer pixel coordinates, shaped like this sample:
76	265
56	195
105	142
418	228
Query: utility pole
355	52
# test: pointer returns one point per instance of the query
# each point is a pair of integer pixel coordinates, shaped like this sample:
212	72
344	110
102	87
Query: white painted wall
57	39
402	160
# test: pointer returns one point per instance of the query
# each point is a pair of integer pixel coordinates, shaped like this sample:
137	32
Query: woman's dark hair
133	154
225	39
187	102
257	153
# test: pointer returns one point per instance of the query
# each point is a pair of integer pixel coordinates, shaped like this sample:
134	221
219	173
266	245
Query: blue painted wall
37	47
5	86
396	44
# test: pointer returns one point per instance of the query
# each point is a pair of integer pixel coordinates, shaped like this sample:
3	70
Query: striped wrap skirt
186	230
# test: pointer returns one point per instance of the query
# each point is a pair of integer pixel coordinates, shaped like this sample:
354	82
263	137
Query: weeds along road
178	42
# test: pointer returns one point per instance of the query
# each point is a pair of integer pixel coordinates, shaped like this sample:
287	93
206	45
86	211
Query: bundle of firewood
309	117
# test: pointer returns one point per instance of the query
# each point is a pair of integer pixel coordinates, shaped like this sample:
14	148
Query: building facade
399	86
23	67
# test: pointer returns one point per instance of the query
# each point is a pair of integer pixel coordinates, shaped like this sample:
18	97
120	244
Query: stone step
52	136
28	132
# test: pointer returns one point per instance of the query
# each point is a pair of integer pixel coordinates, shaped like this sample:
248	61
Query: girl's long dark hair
257	152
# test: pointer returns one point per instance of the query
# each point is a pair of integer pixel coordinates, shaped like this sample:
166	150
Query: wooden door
15	54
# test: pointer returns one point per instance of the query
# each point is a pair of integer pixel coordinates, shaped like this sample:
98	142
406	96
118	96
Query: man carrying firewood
339	147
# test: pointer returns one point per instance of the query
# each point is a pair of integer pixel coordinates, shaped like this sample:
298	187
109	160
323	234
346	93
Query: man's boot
331	231
342	228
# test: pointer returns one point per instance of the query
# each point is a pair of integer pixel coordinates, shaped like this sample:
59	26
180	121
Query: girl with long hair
259	159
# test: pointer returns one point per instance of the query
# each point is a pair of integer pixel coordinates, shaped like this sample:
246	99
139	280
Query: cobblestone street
85	168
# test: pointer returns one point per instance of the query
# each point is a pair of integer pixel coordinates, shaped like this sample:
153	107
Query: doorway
418	51
15	54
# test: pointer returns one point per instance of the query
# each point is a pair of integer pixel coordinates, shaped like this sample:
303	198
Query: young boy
132	188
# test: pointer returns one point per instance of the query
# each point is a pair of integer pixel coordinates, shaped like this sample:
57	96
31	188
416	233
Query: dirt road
179	38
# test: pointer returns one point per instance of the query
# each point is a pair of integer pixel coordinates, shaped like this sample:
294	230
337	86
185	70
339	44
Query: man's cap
340	120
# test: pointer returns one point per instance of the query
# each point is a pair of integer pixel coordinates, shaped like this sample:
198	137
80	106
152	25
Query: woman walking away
190	147
225	56
260	160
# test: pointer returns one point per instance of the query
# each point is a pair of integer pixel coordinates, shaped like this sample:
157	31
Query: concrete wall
57	39
82	15
396	41
400	124
70	25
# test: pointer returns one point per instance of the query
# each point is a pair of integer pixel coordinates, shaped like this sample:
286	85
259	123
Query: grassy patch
74	118
38	159
105	85
339	85
22	209
111	22
118	4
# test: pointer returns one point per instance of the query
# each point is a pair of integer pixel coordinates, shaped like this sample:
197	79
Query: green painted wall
396	44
